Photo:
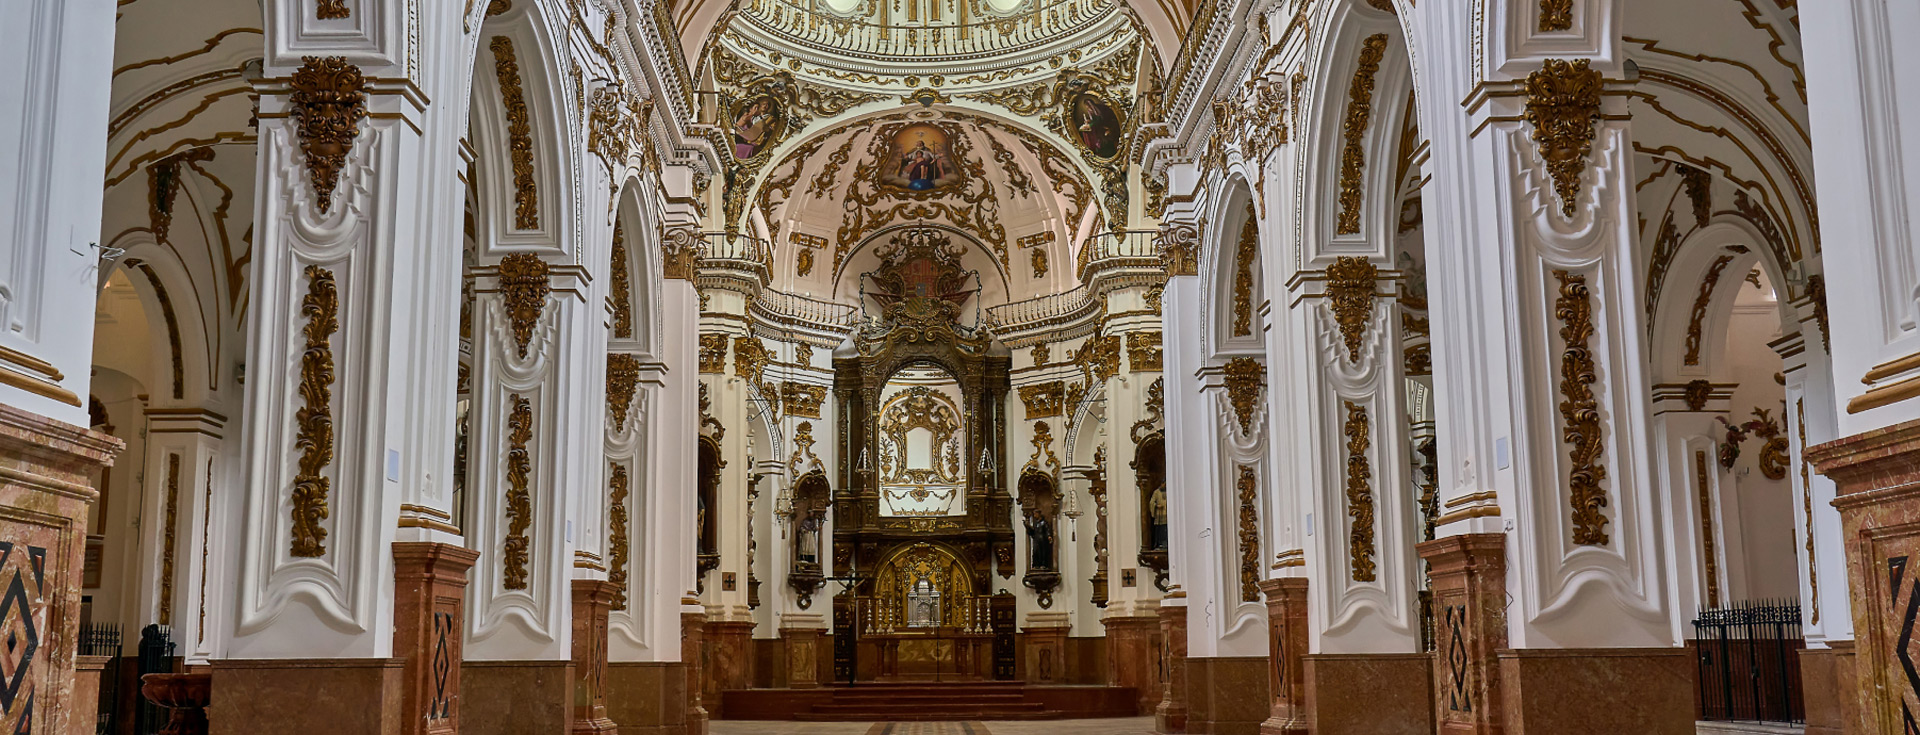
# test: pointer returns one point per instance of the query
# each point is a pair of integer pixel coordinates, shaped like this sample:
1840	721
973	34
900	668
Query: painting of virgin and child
920	158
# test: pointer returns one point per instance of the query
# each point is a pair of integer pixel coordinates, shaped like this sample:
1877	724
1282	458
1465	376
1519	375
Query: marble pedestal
729	662
86	694
592	602
648	697
1171	714
1133	658
1377	694
1043	654
1286	652
1597	691
1469	574
1877	478
47	470
693	637
516	697
1820	689
308	696
429	615
801	649
1228	695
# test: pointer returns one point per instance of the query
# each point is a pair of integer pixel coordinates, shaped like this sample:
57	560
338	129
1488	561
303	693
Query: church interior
973	367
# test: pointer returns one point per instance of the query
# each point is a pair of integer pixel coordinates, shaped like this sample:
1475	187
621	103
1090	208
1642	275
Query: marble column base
1819	688
1043	654
800	648
516	697
592	602
1597	691
307	696
729	663
693	637
1469	574
88	671
1846	682
1377	694
1171	714
46	486
429	617
1286	653
1877	475
1228	696
647	697
1133	657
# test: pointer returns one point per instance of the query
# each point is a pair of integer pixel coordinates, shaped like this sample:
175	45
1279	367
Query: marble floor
1125	726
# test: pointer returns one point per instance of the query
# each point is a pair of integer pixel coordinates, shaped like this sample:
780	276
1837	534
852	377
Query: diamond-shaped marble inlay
20	600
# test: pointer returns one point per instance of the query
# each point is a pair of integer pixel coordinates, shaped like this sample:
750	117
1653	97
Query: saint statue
1157	518
809	540
1039	542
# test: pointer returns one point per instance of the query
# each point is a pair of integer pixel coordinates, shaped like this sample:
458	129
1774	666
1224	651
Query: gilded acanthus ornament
1359	492
1144	351
329	100
623	377
1248	487
1563	105
314	437
1043	400
332	10
1245	257
802	400
167	541
1806	498
617	543
622	288
1353	155
1246	378
1701	301
680	253
1556	15
519	508
524	288
750	358
1580	412
1350	295
1698	184
1179	248
713	353
526	192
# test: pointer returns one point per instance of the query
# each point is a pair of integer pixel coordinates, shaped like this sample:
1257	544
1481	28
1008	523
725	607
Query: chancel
1344	367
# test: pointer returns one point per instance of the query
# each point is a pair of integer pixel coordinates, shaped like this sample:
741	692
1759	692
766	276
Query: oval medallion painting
755	125
1096	125
920	159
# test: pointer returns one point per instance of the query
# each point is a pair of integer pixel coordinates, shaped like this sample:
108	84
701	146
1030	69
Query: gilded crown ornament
1563	104
1350	294
524	288
329	100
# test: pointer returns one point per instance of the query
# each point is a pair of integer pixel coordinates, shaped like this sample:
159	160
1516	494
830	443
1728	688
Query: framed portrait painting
755	124
1096	125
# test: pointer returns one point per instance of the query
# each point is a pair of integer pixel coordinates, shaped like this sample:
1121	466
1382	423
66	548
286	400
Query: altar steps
929	701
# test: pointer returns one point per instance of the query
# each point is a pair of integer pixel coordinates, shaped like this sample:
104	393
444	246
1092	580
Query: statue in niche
1039	542
809	545
1157	518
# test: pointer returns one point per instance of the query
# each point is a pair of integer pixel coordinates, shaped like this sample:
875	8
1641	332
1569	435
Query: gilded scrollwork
329	100
1580	412
803	459
713	353
1556	15
802	400
623	378
618	544
1179	244
314	437
1043	400
1806	499
1153	414
1246	378
1350	296
1144	352
1359	492
524	287
519	506
1353	154
526	189
1563	106
1245	258
1248	487
1701	301
680	253
622	288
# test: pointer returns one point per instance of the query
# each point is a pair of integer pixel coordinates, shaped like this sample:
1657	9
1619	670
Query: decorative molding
750	358
622	289
680	253
1153	413
713	354
1353	155
803	455
1817	292
329	100
526	190
1179	249
1350	294
802	400
617	489
1556	16
1563	104
1099	358
1246	377
1359	492
332	10
519	509
1700	303
1580	412
1806	499
1044	400
173	331
524	288
1144	351
167	539
1706	528
1243	260
1696	394
1248	486
1698	184
314	438
623	377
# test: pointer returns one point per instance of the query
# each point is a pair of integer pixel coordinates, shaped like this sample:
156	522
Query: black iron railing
1749	662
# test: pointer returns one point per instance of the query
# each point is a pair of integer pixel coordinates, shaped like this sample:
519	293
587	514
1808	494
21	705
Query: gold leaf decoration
1359	492
1249	528
524	287
713	353
166	554
622	286
1806	499
1556	15
526	192
1350	293
1144	351
1246	377
1243	262
332	10
802	400
623	377
1353	155
680	253
1043	400
519	497
1179	249
329	100
1580	412
1702	300
617	490
1706	528
1563	104
314	437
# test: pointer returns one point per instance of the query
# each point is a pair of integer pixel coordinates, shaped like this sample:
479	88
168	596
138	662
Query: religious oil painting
1096	125
755	124
920	159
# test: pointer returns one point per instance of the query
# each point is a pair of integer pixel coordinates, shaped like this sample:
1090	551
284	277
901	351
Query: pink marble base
1597	691
46	473
1171	714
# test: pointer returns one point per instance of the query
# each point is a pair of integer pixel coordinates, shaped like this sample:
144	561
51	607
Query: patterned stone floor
1127	726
